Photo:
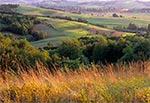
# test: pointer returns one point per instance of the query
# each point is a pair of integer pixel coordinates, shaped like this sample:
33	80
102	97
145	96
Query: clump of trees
72	19
65	17
82	20
38	34
21	25
8	7
73	53
70	49
16	24
102	49
148	28
17	53
133	28
115	15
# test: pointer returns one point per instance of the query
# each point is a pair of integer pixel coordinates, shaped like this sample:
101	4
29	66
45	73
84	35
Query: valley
69	51
63	28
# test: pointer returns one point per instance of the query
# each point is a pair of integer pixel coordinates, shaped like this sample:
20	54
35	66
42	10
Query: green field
70	29
106	19
31	10
63	29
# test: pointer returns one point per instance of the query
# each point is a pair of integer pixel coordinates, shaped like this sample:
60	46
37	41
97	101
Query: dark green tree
148	27
100	50
70	49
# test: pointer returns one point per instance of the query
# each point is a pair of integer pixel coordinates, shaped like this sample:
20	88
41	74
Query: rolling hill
62	29
118	4
101	18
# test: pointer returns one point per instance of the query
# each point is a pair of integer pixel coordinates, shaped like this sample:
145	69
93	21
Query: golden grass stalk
98	84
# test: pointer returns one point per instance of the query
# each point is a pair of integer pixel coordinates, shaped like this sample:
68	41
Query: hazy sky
70	0
103	0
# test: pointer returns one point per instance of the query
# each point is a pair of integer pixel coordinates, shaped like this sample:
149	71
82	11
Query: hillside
105	19
60	29
117	4
98	18
64	29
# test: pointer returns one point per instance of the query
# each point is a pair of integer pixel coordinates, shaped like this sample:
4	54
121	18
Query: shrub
115	15
37	35
14	52
70	48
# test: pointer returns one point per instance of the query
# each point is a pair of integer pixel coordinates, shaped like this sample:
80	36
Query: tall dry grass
96	84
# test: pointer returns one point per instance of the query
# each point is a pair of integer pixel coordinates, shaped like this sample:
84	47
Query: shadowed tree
70	48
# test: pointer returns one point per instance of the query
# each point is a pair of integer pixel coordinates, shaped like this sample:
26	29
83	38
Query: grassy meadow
62	30
70	29
59	29
121	83
98	18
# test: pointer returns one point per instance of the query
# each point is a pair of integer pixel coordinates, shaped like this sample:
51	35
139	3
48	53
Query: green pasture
71	29
142	19
64	29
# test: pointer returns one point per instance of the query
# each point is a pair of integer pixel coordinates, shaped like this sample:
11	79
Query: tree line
73	53
133	28
101	49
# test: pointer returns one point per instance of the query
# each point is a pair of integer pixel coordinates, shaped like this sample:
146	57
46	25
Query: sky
70	0
101	0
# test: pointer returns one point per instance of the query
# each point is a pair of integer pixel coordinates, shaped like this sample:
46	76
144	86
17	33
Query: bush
71	64
149	27
99	50
70	49
115	15
132	27
37	35
82	20
14	53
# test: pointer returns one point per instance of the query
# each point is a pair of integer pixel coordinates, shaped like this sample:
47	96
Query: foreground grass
98	84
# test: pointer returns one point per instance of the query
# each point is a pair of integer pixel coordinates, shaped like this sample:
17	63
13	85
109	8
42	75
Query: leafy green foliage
99	50
17	24
149	27
70	49
38	34
72	53
14	52
21	25
115	49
